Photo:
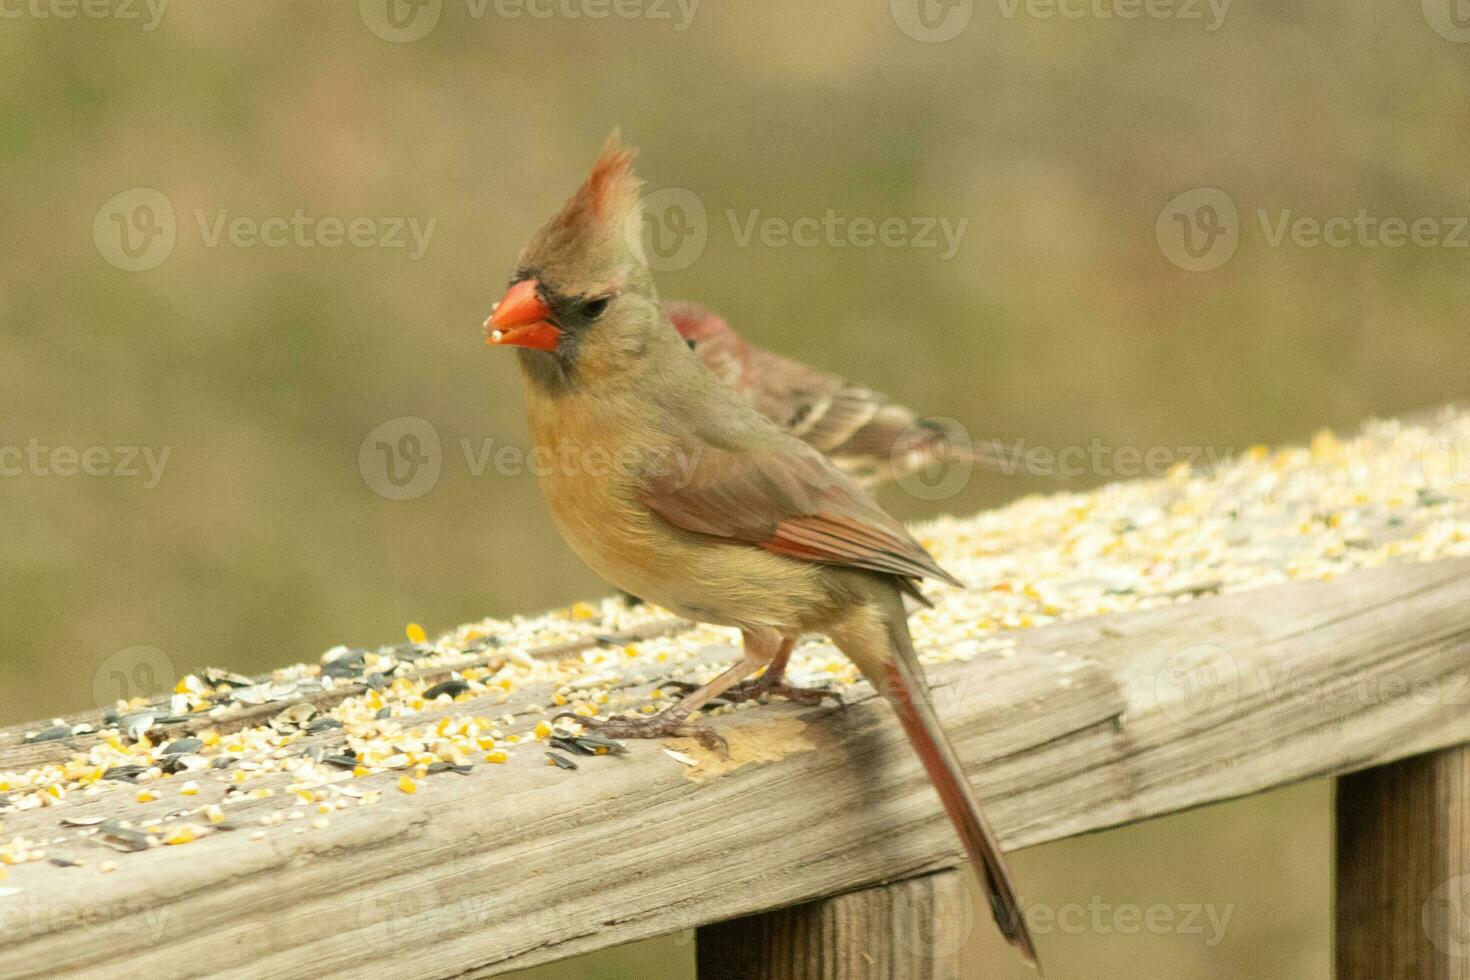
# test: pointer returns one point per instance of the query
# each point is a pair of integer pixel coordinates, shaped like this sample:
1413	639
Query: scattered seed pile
288	753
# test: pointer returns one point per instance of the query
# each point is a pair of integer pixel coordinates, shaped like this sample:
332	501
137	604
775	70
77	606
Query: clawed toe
666	724
760	687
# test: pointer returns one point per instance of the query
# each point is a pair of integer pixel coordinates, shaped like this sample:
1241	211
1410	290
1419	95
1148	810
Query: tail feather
909	695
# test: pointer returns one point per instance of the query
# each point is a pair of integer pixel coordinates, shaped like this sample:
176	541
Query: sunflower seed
82	821
121	838
453	688
294	718
125	774
215	676
183	746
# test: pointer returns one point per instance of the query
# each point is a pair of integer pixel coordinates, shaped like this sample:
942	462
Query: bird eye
592	309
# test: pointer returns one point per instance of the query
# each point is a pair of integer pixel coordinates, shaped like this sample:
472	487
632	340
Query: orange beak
520	319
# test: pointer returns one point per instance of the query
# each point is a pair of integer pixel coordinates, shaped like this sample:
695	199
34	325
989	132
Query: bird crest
604	211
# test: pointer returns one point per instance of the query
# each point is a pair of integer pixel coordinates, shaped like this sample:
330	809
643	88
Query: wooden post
908	930
1403	870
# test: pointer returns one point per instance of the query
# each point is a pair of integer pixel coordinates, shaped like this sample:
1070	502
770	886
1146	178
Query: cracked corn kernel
190	788
407	784
214	814
543	730
583	610
147	796
415	633
499	755
184	834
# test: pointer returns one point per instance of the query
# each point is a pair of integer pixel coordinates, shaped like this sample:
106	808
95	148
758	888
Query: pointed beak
520	319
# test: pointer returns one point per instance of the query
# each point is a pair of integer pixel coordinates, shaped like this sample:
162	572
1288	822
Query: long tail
909	694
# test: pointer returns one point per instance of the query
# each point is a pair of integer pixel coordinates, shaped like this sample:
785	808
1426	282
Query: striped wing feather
798	505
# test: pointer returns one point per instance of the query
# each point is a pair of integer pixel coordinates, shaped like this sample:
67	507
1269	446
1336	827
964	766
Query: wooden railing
818	840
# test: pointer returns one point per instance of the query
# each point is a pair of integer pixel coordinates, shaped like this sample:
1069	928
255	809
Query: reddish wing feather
791	504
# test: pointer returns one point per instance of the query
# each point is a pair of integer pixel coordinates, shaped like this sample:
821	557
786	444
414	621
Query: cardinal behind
872	438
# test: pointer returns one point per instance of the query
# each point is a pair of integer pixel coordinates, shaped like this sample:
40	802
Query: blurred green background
273	376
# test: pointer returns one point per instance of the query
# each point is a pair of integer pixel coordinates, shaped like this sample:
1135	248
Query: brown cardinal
870	437
672	487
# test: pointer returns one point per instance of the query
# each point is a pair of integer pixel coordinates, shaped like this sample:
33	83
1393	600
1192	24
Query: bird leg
674	720
773	681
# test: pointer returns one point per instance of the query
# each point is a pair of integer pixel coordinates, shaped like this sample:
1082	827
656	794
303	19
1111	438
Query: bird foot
670	722
754	690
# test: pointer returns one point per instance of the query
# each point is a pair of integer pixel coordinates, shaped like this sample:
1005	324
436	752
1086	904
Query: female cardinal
673	488
870	437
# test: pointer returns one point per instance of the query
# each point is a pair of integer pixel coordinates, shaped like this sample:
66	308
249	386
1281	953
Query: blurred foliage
1059	321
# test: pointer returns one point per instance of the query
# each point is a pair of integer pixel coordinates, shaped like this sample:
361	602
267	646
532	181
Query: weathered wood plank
1403	870
913	929
1090	724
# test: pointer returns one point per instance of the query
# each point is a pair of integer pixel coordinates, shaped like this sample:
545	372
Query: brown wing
870	437
789	503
